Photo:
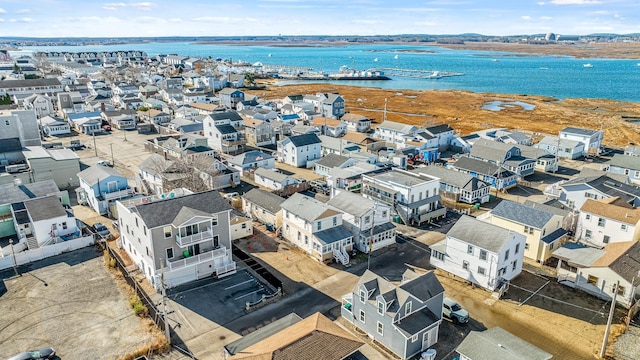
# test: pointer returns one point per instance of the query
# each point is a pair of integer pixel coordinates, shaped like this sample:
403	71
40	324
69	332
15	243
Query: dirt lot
463	110
73	304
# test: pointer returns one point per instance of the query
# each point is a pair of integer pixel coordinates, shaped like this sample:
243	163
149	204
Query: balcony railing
238	142
118	194
187	240
389	199
174	264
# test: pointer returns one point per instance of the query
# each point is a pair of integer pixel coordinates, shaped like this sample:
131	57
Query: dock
417	74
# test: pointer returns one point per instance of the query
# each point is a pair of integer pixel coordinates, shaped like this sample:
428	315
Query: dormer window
407	308
381	307
363	295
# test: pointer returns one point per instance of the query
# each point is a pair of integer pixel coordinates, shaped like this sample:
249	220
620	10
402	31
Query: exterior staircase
32	243
341	256
401	214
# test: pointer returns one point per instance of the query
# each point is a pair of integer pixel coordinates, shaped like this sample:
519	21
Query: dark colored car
44	353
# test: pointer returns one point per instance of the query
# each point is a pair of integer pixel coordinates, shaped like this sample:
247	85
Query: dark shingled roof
579	131
305	139
164	212
439	129
264	199
226	129
628	265
45	208
526	215
226	115
10	145
5	84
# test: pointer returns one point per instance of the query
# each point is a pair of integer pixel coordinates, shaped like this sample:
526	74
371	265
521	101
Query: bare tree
191	172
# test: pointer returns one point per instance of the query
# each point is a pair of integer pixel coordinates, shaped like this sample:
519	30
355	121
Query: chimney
102	107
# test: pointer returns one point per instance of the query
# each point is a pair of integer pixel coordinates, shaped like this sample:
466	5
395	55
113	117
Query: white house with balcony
484	254
413	197
592	139
189	236
100	187
606	221
395	133
369	221
316	228
299	150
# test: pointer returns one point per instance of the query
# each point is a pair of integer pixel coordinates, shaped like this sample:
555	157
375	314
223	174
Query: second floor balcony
118	194
234	142
186	240
220	255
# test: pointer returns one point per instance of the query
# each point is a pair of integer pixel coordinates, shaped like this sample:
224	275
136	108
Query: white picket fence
28	256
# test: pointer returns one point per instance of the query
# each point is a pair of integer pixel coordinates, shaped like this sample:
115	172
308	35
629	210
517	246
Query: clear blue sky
51	18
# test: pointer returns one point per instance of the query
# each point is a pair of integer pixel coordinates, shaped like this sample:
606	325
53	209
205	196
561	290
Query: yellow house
542	229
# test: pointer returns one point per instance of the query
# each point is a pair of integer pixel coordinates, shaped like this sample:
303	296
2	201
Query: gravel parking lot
72	303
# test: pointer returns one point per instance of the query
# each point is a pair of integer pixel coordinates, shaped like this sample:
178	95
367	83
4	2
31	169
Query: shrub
138	307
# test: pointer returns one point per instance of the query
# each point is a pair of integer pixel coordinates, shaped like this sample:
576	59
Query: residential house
20	124
463	144
70	102
544	161
179	239
458	186
329	127
592	139
504	155
330	161
394	133
513	137
299	150
52	126
414	198
154	116
86	123
497	176
186	112
273	179
41	104
58	165
485	254
498	344
626	165
403	318
100	187
543	230
357	123
331	106
562	147
182	146
573	193
350	178
314	338
120	119
235	80
223	136
230	97
596	271
368	221
258	132
30	86
339	146
184	126
632	150
316	228
442	133
42	221
251	160
240	227
606	221
263	206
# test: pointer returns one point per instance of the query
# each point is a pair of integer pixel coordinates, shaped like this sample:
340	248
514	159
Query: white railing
117	194
197	259
183	241
341	256
227	269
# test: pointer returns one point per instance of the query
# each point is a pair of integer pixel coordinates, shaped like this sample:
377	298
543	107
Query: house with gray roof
369	221
596	270
330	161
458	186
299	150
542	229
100	187
504	155
223	130
263	206
316	228
632	150
592	139
443	134
626	165
394	132
498	344
544	161
273	179
573	193
498	177
252	160
562	147
482	253
43	221
350	178
404	318
230	97
182	238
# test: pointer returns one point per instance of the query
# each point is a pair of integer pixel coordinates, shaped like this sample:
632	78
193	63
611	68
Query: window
299	236
437	254
517	249
506	255
148	251
592	280
64	225
587	233
306	240
620	289
363	295
465	265
286	214
144	228
601	222
623	227
319	226
526	246
483	255
335	221
167	231
469	249
362	317
605	239
367	219
380	328
169	253
414	338
381	308
244	226
214	221
137	222
588	216
514	264
407	308
481	270
287	227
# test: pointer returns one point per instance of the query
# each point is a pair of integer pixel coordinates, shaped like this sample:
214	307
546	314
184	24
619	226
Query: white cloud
1	20
22	20
546	18
367	22
226	20
23	11
143	6
574	2
3	11
174	20
113	6
541	3
525	17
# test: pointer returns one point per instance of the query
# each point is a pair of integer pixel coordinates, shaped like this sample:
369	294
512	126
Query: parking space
65	301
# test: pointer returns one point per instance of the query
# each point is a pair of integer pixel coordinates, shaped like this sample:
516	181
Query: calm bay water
505	73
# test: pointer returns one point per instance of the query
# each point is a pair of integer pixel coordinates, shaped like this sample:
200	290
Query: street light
15	264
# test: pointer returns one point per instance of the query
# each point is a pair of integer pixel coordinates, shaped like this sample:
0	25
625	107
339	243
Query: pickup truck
452	310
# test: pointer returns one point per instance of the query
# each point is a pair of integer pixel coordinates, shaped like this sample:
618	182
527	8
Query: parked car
231	196
44	353
452	310
101	229
104	163
319	187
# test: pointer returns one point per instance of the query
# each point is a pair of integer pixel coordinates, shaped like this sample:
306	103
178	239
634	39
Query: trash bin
430	354
477	206
185	253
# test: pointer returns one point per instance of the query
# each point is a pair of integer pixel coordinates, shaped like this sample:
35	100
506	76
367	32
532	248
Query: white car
231	196
453	311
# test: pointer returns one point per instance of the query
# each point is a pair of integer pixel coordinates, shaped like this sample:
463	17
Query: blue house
100	187
498	177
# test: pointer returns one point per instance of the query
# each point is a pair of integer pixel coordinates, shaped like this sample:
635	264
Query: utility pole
95	148
113	161
370	245
611	312
15	264
167	331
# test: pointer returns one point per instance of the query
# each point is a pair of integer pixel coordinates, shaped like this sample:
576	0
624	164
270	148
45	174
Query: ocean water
495	72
